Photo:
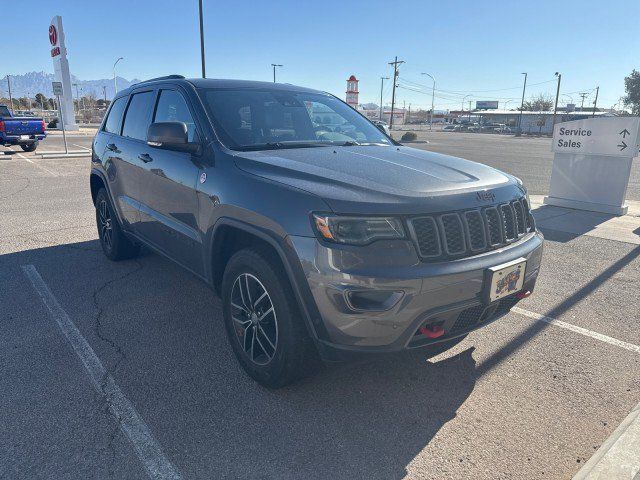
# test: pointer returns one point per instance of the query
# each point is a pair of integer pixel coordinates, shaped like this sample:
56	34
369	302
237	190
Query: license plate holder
504	279
24	137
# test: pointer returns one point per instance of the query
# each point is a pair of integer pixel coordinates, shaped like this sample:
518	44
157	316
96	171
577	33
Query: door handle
145	157
112	147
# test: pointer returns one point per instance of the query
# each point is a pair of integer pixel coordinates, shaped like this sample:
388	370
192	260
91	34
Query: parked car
449	128
23	131
318	243
384	126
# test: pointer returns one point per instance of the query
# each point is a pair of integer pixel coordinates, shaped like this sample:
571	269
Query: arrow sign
624	133
622	145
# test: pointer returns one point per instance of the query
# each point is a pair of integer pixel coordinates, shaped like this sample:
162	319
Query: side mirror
171	136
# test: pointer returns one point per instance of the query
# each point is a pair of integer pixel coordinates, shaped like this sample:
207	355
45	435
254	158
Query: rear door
132	145
169	206
121	175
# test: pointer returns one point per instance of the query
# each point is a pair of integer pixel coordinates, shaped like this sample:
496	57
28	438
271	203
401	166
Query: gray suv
323	236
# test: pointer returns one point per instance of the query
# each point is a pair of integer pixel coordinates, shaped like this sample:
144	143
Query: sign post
58	91
592	163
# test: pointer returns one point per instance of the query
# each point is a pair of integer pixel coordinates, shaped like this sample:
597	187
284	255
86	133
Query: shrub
409	137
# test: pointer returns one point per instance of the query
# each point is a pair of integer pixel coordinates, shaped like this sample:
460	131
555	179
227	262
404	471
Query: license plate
504	280
24	137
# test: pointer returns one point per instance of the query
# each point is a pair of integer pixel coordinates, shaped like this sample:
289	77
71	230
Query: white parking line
147	448
576	329
50	172
80	146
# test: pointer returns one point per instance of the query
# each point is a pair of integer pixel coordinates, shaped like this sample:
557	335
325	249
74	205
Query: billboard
486	105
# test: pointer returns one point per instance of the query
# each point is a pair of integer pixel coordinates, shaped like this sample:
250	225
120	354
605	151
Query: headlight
356	230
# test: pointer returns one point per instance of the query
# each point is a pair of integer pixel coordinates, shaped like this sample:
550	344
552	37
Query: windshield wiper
282	145
350	143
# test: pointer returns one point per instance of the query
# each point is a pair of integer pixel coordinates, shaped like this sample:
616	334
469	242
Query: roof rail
167	77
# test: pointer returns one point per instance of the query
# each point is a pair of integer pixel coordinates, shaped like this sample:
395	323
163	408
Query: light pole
274	65
555	106
382	79
115	80
204	75
433	94
77	96
463	99
524	87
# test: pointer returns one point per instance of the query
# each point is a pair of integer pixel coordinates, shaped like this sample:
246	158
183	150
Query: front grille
472	316
466	233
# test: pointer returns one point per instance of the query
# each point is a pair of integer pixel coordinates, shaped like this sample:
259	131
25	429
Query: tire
29	147
115	244
256	323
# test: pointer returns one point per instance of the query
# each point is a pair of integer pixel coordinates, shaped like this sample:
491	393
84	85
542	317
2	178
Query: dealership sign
486	105
61	71
610	136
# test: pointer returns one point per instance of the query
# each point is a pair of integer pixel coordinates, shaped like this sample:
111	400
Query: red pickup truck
24	131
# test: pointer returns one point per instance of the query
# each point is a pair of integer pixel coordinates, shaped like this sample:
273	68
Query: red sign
55	51
53	35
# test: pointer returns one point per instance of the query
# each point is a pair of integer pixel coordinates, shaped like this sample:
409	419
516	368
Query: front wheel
29	147
263	324
115	244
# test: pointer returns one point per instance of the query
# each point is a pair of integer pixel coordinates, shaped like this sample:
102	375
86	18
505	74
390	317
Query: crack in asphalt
121	356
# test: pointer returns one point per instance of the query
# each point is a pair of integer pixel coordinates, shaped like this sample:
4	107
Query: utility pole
555	107
382	79
395	64
524	87
409	114
595	102
10	97
104	93
204	74
583	95
274	65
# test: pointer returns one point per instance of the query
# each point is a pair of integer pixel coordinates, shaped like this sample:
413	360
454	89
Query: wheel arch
231	235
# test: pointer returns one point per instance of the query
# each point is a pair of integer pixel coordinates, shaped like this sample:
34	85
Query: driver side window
172	107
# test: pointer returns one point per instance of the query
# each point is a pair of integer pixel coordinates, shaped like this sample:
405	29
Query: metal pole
555	107
524	87
583	95
382	79
274	65
433	94
115	80
64	135
204	74
595	102
10	97
77	102
104	93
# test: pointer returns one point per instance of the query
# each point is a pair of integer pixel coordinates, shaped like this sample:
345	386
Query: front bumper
416	292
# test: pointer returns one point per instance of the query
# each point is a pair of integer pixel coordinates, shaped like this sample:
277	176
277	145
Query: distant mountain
40	82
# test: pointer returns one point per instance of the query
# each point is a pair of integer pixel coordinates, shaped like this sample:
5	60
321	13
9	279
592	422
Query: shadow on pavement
159	332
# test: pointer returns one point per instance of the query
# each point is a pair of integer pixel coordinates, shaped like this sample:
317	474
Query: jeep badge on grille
485	196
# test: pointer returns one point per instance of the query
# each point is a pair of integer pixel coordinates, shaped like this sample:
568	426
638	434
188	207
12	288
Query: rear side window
138	116
173	108
114	120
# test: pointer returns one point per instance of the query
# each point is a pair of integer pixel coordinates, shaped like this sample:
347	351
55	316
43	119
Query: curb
618	458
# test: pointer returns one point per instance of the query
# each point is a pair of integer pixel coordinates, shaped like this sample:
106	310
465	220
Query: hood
372	179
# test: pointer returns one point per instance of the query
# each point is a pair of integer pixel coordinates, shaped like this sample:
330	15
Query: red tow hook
521	295
432	331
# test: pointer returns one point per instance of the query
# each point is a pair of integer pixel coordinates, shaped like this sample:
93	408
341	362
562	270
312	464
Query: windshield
249	119
4	111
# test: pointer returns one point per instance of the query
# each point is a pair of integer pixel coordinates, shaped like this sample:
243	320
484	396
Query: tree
42	101
541	103
632	87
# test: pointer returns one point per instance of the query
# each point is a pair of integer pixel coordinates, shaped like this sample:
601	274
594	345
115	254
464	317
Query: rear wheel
115	244
29	147
263	324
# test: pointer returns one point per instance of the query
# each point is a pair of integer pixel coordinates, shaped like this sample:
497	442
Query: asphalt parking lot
519	399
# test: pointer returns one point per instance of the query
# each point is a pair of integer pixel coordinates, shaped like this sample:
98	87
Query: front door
169	209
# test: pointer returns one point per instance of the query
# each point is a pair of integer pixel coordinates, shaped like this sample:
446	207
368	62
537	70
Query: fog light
372	300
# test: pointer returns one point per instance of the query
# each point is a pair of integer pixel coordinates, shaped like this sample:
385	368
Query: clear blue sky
469	46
